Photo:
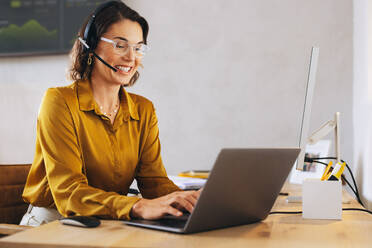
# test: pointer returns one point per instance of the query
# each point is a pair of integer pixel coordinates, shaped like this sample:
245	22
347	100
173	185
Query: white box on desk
321	199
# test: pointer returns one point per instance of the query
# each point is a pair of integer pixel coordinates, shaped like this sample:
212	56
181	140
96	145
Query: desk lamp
325	129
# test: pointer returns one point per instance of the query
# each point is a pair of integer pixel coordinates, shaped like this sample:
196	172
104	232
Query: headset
89	41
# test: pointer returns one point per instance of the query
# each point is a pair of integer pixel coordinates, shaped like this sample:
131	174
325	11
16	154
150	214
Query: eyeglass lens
122	48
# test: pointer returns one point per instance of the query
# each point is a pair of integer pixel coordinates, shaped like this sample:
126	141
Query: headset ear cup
92	37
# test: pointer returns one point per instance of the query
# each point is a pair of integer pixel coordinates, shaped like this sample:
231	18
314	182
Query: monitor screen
301	169
306	113
29	27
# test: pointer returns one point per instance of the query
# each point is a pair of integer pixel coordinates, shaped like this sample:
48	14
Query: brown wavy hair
114	13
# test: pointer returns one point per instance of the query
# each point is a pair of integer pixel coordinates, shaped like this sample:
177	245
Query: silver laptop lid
242	187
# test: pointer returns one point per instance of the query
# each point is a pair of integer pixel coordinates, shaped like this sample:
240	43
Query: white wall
23	81
221	74
362	103
232	73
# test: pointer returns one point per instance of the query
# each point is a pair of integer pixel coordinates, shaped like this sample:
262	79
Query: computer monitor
306	113
305	122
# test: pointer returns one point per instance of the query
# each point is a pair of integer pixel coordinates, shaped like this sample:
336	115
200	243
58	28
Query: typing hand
172	204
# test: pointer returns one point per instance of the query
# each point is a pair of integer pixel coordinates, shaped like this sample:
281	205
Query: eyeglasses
121	47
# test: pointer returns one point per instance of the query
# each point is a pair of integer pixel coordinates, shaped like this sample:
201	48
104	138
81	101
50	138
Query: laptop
241	189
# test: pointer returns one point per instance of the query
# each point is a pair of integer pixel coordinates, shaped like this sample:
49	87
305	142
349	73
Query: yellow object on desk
327	171
333	173
195	174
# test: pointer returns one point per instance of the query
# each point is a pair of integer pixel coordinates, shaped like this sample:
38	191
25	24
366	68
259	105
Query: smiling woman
122	57
94	138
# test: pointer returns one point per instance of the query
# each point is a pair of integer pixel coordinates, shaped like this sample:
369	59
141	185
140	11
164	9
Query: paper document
188	183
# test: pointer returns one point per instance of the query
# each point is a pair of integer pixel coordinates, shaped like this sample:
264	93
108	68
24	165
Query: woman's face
126	63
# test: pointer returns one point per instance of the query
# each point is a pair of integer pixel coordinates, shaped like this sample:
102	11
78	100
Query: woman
94	138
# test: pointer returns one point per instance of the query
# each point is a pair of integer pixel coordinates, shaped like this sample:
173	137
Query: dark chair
12	207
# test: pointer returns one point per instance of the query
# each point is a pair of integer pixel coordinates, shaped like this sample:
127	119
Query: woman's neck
106	95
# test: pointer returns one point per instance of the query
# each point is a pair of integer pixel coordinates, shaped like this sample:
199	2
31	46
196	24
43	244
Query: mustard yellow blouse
84	165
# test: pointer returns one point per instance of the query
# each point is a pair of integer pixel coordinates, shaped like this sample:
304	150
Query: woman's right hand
173	204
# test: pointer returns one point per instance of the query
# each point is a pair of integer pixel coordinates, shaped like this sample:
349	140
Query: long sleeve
64	167
151	176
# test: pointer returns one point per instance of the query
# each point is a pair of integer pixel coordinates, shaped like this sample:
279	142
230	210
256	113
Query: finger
172	211
183	200
196	194
182	204
191	198
192	193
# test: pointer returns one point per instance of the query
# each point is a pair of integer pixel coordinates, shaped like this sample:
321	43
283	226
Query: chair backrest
12	181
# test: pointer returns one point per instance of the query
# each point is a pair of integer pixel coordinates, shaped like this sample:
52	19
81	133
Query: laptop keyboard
167	221
184	217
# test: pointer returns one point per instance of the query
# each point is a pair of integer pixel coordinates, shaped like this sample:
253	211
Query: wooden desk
355	230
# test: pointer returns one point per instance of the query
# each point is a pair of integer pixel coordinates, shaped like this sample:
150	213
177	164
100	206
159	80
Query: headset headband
89	29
